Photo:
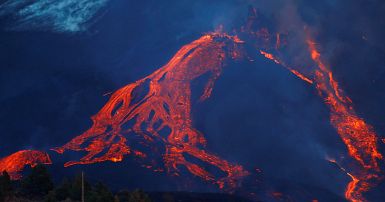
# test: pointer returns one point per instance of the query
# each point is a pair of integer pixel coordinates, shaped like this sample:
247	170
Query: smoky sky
259	115
58	16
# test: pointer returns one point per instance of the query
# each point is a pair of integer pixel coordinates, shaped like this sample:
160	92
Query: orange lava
164	103
352	185
16	162
157	109
358	136
351	189
276	60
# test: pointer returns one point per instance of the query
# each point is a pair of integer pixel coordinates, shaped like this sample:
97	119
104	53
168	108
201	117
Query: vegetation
139	196
38	186
6	191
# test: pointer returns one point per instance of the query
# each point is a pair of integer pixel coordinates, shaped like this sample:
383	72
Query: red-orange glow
301	76
157	109
277	195
332	161
16	162
352	185
166	103
351	189
358	136
270	56
276	60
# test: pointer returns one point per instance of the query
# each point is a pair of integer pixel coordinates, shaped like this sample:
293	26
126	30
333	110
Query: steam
58	16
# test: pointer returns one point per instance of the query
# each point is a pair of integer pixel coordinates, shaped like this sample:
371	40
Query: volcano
151	119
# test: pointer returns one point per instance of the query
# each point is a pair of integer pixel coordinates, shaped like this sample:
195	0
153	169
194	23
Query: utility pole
82	186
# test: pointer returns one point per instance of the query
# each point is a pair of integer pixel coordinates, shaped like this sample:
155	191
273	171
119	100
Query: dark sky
259	115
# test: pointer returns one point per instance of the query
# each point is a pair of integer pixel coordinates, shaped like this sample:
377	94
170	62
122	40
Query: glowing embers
157	108
16	162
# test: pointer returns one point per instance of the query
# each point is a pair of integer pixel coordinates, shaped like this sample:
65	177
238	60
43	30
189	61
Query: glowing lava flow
16	162
358	136
350	188
276	60
158	107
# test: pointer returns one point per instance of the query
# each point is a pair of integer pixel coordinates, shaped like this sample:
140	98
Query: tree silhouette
75	192
62	192
100	193
139	196
38	183
6	190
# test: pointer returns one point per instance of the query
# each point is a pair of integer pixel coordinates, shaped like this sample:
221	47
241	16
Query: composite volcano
154	114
